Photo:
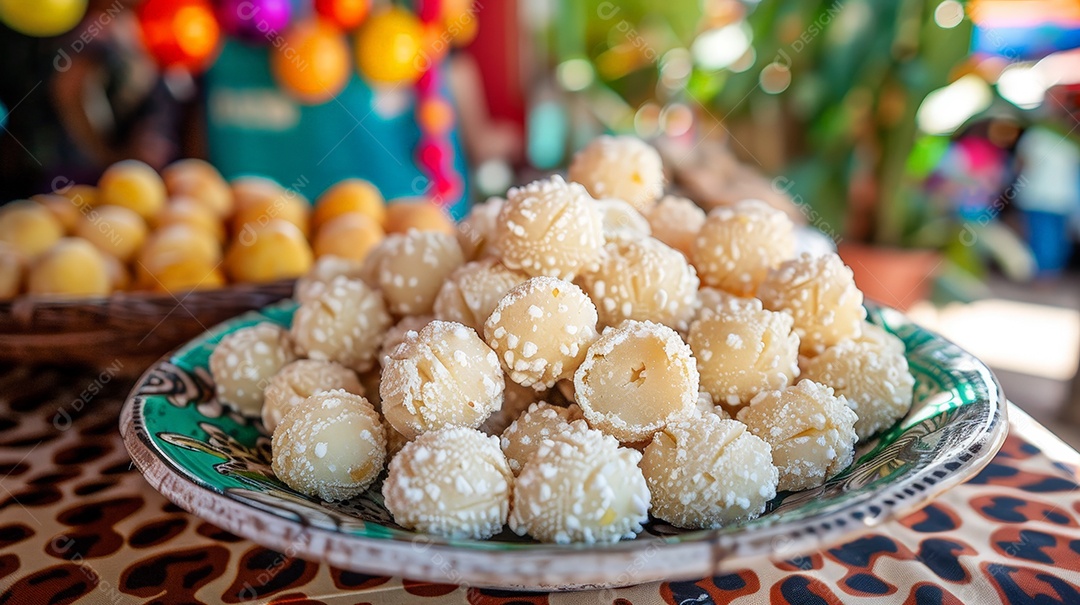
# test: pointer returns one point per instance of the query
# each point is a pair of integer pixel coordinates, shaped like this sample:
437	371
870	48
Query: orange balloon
346	14
313	62
390	47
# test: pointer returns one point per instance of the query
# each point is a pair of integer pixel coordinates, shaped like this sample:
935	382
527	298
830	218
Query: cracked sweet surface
332	446
395	335
344	323
474	290
410	268
453	482
737	246
522	439
299	380
620	167
676	221
621	220
476	232
243	363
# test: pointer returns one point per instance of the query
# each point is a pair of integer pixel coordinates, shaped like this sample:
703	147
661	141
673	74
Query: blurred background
934	142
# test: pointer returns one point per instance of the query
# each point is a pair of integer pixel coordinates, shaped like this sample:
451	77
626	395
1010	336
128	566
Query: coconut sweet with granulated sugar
621	221
676	221
299	380
620	167
409	269
476	232
395	335
473	291
323	272
521	440
737	246
243	363
344	323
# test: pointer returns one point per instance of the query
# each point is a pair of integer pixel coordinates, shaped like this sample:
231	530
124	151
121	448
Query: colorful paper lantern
317	68
346	14
42	18
390	48
180	33
254	20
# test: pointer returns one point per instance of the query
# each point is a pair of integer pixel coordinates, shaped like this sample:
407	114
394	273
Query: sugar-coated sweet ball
705	405
516	399
811	431
244	362
737	245
642	279
676	221
441	376
635	379
549	227
325	269
621	220
332	446
29	227
522	439
452	482
299	380
820	294
580	487
540	330
621	167
718	301
133	185
741	352
476	232
474	290
115	230
344	323
397	333
705	473
12	271
71	268
876	335
874	378
410	268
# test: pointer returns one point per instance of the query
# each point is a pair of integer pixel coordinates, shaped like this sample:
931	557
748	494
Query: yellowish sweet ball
874	378
135	186
741	352
396	334
83	196
473	291
820	294
299	380
621	167
621	220
256	214
403	215
244	361
877	336
705	473
331	446
29	227
439	377
325	269
410	269
737	246
635	379
179	258
114	230
452	482
346	197
343	323
250	190
476	232
12	271
676	221
811	431
199	181
541	330
580	487
642	279
183	210
119	275
715	300
523	438
350	236
63	210
549	227
277	251
72	268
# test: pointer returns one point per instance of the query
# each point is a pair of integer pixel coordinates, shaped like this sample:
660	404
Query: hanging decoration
346	14
42	18
256	21
318	67
390	47
180	33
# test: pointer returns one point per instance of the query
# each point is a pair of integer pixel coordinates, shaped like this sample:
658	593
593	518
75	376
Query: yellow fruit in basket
29	227
276	251
119	275
350	195
114	230
172	245
83	196
200	181
186	275
187	211
419	214
12	271
133	185
349	236
65	211
71	268
249	189
289	207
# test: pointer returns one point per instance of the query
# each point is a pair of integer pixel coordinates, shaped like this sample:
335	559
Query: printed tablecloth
78	524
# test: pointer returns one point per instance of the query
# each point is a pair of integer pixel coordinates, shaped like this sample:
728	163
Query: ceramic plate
215	464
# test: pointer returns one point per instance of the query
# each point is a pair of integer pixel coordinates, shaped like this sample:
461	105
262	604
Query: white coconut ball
243	363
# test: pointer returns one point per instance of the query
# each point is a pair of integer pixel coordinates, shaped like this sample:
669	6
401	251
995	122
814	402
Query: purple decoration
258	21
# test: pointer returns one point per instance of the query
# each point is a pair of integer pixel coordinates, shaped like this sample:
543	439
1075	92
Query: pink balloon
254	20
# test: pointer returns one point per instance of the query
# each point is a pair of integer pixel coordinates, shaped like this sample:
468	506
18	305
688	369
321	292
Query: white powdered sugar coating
442	376
643	279
676	221
820	294
620	167
325	269
344	323
332	446
580	487
395	335
473	291
410	268
873	377
551	319
718	301
453	482
549	227
810	429
635	379
245	360
737	245
476	232
522	439
705	472
301	379
621	220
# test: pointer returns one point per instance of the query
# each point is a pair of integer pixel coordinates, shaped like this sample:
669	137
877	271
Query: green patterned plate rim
215	464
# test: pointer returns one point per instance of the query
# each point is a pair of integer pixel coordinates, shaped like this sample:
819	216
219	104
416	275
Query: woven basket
126	331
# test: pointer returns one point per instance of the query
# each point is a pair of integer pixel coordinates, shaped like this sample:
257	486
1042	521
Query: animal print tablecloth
79	525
